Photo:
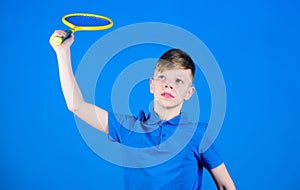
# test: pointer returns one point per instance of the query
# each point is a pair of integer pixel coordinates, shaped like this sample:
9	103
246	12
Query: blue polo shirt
161	154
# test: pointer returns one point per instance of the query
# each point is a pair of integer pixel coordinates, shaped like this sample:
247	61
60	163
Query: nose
167	85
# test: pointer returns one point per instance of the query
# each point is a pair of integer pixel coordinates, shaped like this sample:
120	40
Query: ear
189	93
151	86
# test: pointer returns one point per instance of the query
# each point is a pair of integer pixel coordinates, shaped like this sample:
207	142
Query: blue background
256	44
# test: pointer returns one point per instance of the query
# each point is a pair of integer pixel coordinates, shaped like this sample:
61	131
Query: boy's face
171	87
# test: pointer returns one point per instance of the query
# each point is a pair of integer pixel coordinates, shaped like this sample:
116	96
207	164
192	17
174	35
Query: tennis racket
82	22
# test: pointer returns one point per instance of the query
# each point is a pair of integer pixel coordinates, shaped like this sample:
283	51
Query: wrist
63	52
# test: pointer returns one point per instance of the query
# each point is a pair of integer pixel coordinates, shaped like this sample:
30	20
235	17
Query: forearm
222	178
227	187
68	82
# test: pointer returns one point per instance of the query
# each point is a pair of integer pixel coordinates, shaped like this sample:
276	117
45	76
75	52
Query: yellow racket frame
76	28
58	40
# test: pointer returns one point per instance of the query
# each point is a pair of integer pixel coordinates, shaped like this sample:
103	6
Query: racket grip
57	40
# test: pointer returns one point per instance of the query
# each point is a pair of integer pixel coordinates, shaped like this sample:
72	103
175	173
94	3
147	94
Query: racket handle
57	40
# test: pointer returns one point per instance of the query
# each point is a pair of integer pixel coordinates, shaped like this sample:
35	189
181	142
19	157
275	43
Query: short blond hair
175	59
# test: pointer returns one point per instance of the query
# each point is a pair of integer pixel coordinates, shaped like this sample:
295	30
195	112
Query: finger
59	33
56	34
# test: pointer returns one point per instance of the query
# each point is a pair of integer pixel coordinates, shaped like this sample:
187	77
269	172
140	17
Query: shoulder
198	128
126	119
120	118
194	131
188	122
120	125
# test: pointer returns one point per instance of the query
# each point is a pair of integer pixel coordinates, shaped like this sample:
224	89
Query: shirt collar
153	118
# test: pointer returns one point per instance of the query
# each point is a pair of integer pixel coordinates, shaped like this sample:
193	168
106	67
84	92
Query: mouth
167	95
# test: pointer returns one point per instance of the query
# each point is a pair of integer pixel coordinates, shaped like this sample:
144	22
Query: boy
171	85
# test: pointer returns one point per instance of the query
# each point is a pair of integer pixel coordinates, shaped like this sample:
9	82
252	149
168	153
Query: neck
166	113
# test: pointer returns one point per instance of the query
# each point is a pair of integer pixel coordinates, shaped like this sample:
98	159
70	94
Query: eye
161	78
179	81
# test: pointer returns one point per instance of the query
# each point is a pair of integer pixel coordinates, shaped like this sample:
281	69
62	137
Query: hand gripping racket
83	22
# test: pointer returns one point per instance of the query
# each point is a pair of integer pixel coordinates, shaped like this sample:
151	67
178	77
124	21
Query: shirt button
163	135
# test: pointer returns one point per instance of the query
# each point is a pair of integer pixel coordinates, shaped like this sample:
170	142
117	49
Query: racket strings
87	21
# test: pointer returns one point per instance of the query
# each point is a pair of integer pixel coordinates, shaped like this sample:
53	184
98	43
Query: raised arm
222	178
90	113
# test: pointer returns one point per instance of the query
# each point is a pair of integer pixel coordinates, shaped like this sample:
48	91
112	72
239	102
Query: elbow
73	107
227	187
74	104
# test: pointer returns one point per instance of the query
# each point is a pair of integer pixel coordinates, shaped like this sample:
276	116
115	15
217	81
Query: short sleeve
114	127
211	159
119	126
